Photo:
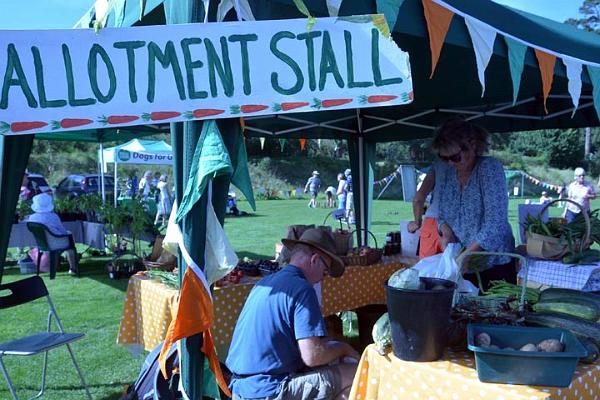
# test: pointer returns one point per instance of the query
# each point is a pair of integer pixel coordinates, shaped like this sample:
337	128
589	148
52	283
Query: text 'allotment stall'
74	79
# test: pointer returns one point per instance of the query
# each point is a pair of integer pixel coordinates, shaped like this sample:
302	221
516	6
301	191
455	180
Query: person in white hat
43	208
280	348
312	185
581	192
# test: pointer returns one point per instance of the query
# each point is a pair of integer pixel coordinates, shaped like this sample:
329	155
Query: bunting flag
546	62
240	176
302	144
390	9
594	73
243	124
386	179
482	36
282	144
438	21
438	15
333	7
262	142
319	143
516	61
574	68
244	11
538	182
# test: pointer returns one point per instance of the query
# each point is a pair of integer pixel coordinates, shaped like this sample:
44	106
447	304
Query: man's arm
317	351
419	200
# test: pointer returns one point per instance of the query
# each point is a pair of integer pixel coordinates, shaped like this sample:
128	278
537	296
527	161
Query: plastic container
524	367
420	319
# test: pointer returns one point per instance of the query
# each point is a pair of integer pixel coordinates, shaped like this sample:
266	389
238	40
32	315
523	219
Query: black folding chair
52	243
25	291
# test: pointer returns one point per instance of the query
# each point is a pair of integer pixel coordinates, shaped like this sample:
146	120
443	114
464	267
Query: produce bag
407	278
382	334
444	266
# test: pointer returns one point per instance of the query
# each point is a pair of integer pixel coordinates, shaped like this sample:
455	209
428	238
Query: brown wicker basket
371	258
160	259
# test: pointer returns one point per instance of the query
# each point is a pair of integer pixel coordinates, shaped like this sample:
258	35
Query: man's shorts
319	383
429	244
313	194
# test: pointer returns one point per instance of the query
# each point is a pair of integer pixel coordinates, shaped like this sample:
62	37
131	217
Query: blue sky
51	14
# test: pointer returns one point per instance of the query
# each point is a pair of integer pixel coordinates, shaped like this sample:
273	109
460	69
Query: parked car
36	184
77	185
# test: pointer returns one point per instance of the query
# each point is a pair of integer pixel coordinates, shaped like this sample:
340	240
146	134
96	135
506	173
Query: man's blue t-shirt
281	309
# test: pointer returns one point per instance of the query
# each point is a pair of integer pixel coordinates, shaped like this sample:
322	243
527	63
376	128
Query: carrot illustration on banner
289	105
248	108
377	98
202	112
117	119
21	126
318	104
160	115
70	123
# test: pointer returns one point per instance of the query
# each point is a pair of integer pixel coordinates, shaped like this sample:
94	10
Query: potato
529	347
552	345
483	340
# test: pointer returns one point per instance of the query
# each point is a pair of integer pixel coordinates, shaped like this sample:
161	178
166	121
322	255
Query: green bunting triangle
211	159
390	9
282	144
516	60
241	175
594	73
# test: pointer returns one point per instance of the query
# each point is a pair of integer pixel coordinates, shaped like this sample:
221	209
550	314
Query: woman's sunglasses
455	158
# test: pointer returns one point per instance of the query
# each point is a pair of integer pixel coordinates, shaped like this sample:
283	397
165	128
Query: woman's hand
447	236
413	226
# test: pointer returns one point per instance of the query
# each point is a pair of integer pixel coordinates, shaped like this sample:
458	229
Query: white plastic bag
444	266
405	279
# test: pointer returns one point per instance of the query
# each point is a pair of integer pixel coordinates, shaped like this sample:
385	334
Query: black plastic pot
420	319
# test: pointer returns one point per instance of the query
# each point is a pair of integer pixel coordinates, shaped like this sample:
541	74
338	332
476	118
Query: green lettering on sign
350	63
96	51
310	56
328	64
244	39
375	62
73	101
13	66
166	59
39	79
289	61
130	47
190	65
223	68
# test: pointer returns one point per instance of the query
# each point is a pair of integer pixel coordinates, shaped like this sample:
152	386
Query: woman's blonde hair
457	132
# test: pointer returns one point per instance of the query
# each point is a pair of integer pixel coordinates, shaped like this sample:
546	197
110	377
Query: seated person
279	348
43	207
544	198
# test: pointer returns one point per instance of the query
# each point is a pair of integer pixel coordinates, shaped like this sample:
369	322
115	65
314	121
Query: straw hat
579	172
42	203
322	242
347	172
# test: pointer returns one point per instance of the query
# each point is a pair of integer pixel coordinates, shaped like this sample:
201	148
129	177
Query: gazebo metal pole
102	173
115	184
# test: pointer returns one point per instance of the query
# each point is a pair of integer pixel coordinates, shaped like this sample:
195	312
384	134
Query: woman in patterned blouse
474	201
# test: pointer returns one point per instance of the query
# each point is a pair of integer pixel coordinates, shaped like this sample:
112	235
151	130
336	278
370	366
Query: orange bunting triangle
242	124
302	144
438	21
546	62
194	315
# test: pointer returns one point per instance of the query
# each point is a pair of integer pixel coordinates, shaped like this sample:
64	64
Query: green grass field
93	304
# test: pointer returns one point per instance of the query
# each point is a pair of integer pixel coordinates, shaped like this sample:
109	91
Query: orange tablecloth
149	305
454	377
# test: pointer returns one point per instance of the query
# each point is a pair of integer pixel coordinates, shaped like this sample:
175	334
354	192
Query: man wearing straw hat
279	348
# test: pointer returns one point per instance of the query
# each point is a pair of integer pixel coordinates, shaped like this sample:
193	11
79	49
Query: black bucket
420	319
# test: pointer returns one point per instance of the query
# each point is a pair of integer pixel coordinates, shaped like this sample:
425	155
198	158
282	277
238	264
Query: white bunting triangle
574	74
262	143
482	36
244	12
333	6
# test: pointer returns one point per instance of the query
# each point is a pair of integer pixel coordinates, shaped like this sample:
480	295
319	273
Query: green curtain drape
15	154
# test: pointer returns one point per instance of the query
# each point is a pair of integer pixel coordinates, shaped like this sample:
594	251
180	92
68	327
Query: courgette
577	307
578	326
592	349
554	293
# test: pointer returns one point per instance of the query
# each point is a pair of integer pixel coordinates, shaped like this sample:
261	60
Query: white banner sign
135	157
78	79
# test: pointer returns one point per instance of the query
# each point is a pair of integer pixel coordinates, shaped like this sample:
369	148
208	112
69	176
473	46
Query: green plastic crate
523	367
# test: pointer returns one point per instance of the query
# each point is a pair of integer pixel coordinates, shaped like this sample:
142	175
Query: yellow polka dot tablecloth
454	377
149	308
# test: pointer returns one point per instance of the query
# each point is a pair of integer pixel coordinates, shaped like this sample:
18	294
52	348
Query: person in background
349	197
280	348
581	192
43	213
329	193
163	207
26	192
473	208
312	185
145	185
341	191
429	238
544	198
